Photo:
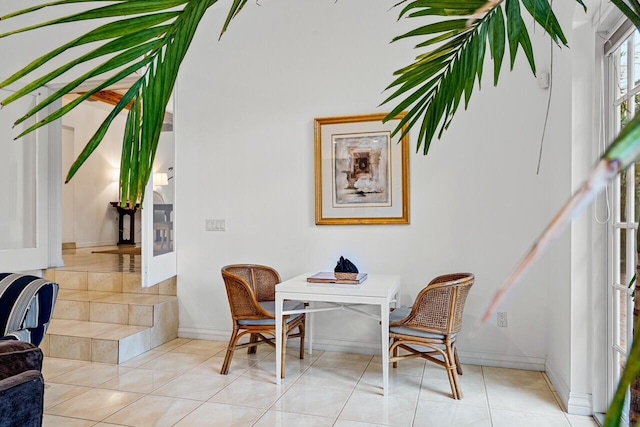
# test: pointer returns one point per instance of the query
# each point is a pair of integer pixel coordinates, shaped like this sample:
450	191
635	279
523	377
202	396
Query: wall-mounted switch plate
502	319
215	225
544	80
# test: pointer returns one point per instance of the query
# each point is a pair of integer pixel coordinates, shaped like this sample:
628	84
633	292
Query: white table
377	289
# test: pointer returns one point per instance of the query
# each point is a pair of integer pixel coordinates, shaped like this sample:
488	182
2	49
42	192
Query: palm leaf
75	83
432	87
236	7
119	29
147	36
124	8
631	14
631	371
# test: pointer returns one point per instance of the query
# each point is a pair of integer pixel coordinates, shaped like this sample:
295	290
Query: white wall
244	137
568	333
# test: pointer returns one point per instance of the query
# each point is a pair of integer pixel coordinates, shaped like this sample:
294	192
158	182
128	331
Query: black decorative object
345	266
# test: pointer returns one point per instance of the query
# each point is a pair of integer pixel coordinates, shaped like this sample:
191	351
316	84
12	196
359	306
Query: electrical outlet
502	319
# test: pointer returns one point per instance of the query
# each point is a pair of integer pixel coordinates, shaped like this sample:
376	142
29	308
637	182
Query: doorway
89	219
89	210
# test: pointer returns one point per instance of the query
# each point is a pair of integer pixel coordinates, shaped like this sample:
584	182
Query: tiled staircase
109	317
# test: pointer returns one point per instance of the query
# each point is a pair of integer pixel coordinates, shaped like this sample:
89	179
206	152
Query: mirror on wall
163	191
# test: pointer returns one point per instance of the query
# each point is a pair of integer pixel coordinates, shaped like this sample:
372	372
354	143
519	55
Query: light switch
215	225
544	80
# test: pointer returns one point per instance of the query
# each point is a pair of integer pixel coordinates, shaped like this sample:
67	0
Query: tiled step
108	282
96	341
108	317
109	307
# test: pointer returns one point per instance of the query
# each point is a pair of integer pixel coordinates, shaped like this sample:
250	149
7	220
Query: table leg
310	329
279	304
384	325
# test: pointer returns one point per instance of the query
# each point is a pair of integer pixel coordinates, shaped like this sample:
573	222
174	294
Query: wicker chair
251	292
429	329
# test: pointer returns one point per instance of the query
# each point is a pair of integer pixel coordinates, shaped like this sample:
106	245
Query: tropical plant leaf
119	29
134	50
496	42
146	36
542	13
432	88
44	5
631	14
124	8
108	66
631	371
236	7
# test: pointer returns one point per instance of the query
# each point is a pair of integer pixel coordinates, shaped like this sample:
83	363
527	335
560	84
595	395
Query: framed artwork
361	171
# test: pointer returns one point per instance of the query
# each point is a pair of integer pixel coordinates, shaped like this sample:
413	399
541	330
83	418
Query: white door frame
35	258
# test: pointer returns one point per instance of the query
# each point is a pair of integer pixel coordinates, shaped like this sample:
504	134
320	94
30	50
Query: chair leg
163	238
302	329
231	348
458	365
452	372
395	352
252	349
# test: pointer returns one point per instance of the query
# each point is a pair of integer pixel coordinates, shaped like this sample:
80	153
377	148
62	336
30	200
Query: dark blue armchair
21	384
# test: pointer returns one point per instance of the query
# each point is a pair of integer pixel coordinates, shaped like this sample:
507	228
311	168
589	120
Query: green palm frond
431	89
236	7
149	38
631	371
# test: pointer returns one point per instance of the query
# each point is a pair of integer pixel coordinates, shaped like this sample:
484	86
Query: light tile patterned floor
88	259
178	384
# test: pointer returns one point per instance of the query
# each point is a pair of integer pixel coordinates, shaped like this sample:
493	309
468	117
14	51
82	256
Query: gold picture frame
361	172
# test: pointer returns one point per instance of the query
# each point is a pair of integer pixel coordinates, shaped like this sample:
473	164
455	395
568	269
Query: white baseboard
338	346
347	346
580	404
200	333
96	244
511	361
573	403
531	363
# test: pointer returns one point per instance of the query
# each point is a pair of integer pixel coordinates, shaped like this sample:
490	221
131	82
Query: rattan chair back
247	285
438	307
261	279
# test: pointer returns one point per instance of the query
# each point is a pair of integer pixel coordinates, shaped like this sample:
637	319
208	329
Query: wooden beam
109	97
113	98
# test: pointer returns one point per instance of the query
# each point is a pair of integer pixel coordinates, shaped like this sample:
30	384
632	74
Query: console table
129	211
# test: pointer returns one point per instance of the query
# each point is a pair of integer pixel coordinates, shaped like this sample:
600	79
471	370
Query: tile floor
85	259
178	384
